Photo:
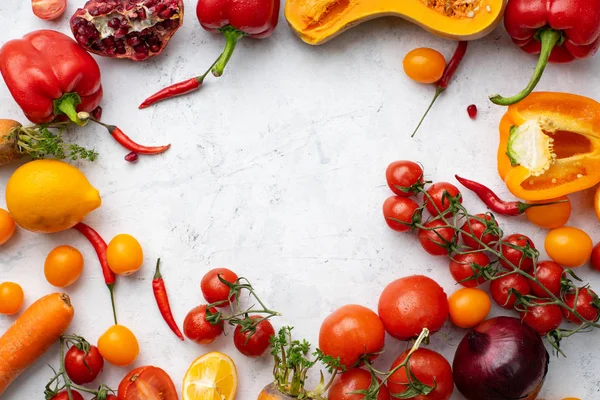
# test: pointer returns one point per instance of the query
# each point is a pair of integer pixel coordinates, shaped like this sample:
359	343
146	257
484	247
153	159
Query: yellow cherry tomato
124	255
119	346
7	226
469	307
11	298
569	246
63	266
552	216
424	65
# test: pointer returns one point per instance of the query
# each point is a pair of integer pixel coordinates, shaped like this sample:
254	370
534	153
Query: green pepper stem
67	105
232	36
548	38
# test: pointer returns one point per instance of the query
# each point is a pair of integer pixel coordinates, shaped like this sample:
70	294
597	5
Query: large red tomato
147	383
351	332
410	304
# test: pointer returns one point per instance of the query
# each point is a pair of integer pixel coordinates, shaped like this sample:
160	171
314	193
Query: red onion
500	359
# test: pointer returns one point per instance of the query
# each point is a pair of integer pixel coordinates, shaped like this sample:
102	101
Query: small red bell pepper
234	19
559	31
50	75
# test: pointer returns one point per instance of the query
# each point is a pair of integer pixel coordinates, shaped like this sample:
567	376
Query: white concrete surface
277	172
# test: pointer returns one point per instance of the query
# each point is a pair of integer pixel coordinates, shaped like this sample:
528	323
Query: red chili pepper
253	18
100	246
494	203
162	300
50	75
559	31
444	81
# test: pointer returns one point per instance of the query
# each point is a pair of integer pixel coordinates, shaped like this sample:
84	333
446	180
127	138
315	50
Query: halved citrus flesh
212	376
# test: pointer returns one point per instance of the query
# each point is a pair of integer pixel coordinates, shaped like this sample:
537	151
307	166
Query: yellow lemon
212	376
49	196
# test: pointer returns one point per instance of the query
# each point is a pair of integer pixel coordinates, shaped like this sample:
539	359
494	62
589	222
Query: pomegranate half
134	29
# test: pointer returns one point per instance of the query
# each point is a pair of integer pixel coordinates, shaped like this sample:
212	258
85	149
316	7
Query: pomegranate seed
114	23
97	113
166	14
131	157
133	40
141	50
472	110
142	14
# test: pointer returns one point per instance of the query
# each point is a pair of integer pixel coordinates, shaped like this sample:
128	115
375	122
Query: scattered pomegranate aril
472	110
131	157
134	29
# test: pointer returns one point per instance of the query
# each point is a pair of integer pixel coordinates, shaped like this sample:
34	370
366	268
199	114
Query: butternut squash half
317	21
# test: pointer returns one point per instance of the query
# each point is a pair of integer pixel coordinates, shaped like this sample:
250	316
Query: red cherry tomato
404	177
500	289
198	329
442	195
465	267
484	227
400	213
351	381
550	275
516	249
65	396
437	238
543	319
48	9
83	368
428	367
351	332
213	289
254	343
587	305
145	383
596	257
409	304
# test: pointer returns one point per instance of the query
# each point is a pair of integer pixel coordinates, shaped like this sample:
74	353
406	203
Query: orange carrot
32	334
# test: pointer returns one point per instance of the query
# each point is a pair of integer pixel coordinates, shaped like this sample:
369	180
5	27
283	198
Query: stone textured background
277	172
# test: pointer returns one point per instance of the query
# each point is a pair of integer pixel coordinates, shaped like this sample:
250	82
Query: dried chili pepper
494	203
162	300
100	246
444	81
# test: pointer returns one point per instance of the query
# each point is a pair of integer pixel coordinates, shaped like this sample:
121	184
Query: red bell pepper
50	75
234	19
559	31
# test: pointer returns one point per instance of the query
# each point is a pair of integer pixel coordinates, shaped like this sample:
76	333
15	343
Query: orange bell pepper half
550	146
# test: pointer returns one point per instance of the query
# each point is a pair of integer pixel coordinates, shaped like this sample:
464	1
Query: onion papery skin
500	359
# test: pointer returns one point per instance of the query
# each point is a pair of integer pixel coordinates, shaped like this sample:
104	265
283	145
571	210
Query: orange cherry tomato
552	216
124	255
7	226
119	346
11	298
568	246
469	307
63	266
424	65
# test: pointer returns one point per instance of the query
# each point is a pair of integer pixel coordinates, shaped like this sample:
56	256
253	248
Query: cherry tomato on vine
198	329
569	246
63	266
7	226
119	346
215	291
403	177
500	289
11	298
587	305
83	368
595	259
350	332
437	238
254	343
550	275
409	304
424	65
353	380
124	254
464	268
518	250
481	226
551	216
401	213
48	9
145	383
430	368
442	194
543	319
469	307
65	396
